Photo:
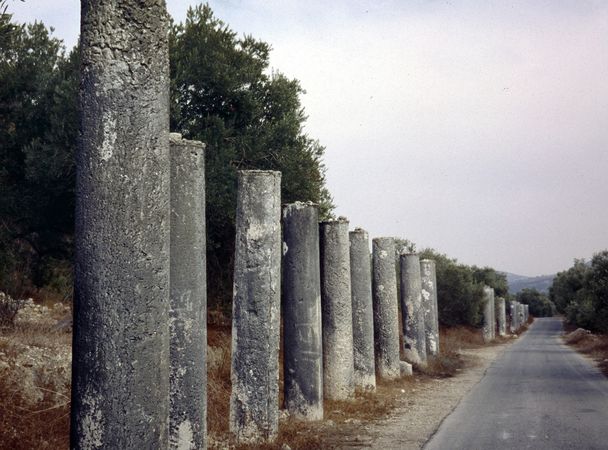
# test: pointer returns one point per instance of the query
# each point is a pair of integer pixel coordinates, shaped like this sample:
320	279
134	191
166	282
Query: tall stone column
363	317
502	316
386	320
254	400
412	310
493	324
336	307
188	312
488	315
527	313
513	311
120	376
303	352
429	304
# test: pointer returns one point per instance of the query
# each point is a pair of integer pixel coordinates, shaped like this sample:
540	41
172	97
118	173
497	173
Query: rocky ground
593	346
35	367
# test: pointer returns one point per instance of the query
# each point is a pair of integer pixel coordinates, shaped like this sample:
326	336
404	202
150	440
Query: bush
540	305
581	293
459	295
9	307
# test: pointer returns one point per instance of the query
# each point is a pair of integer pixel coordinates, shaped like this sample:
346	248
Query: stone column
120	376
303	352
386	320
513	313
254	401
488	316
188	312
363	318
336	307
429	304
493	304
502	316
412	311
527	311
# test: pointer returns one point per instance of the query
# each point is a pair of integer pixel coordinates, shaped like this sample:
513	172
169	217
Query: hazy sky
479	128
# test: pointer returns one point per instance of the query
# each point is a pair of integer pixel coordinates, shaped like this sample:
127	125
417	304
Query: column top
339	220
176	139
300	205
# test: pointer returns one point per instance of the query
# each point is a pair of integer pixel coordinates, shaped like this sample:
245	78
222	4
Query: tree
491	278
222	94
597	287
38	129
581	292
460	297
567	284
540	305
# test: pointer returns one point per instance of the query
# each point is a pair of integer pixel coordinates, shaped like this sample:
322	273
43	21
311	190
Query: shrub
9	307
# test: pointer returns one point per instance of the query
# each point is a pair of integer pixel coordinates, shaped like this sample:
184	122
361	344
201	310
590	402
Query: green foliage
460	296
540	305
403	245
222	94
581	293
9	308
566	284
491	278
38	130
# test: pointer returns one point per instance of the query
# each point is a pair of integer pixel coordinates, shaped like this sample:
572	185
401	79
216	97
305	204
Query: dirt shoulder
419	411
594	347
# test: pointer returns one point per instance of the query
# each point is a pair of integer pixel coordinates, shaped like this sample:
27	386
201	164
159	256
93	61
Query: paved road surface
538	394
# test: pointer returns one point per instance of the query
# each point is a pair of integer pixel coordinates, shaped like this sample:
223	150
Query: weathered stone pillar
488	316
303	352
120	377
493	325
386	320
429	303
502	316
513	312
188	312
412	311
336	307
527	311
363	316
254	401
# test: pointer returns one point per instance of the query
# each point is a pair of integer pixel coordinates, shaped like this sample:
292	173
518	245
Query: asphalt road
538	394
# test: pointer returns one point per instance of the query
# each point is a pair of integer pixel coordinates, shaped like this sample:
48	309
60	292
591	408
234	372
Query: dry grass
44	423
218	381
451	343
34	389
594	345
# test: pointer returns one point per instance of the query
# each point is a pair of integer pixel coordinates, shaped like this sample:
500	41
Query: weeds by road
593	345
35	373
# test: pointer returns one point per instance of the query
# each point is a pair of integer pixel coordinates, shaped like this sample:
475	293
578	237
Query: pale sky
478	128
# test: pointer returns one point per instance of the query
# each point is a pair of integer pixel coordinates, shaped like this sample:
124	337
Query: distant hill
519	282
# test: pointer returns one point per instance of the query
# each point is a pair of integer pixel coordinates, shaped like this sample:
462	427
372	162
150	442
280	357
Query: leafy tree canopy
222	93
540	305
460	296
581	292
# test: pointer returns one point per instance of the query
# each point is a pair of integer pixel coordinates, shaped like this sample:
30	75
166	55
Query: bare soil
35	360
593	346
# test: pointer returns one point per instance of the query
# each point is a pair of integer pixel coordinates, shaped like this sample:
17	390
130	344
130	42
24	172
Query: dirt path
422	411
